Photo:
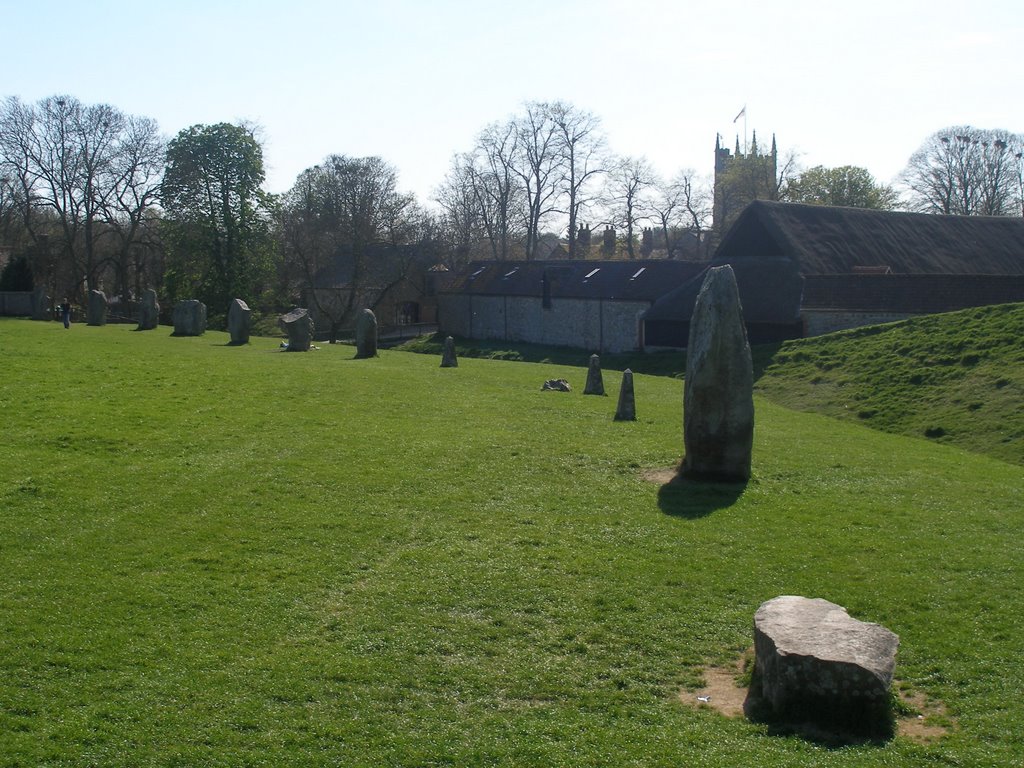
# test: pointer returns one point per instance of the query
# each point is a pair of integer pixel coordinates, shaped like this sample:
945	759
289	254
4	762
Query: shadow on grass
671	363
692	498
812	726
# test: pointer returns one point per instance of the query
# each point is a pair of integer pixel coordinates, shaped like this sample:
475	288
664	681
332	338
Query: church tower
741	177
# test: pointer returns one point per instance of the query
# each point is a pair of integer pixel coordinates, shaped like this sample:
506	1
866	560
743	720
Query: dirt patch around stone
721	692
923	720
927	720
660	476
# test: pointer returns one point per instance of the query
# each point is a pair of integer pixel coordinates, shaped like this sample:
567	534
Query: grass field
956	378
225	556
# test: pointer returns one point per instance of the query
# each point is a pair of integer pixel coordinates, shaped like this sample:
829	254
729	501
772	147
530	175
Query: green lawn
217	555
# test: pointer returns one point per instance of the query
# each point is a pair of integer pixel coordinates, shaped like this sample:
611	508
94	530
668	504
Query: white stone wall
593	324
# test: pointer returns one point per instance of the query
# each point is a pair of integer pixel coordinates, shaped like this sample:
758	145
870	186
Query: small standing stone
40	304
814	661
595	382
96	312
448	358
718	392
366	334
239	321
626	410
189	318
299	327
149	310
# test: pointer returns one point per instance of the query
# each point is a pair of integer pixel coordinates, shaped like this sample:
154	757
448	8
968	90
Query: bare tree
461	218
83	175
966	171
629	190
540	168
583	159
682	208
491	172
130	209
336	218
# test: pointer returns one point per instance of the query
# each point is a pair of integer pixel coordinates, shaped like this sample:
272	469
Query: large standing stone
149	311
96	312
189	318
626	410
448	358
815	662
366	334
239	321
299	327
595	382
40	304
718	394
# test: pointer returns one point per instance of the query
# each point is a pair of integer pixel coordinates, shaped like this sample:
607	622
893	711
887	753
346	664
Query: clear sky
861	83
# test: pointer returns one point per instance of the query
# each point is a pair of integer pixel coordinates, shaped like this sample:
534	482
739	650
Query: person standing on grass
65	312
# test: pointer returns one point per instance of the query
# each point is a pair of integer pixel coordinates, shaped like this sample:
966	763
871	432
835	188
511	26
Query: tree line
93	197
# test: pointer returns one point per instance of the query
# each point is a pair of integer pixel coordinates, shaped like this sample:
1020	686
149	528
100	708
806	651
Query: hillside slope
956	378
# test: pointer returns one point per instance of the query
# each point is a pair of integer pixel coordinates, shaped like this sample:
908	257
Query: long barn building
593	305
802	270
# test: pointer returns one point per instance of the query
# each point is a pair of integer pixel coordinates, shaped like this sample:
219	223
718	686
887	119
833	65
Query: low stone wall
821	321
15	303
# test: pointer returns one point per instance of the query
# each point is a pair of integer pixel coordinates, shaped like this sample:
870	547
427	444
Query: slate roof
832	240
635	280
770	292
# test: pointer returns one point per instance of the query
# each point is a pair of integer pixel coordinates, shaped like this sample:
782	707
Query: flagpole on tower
742	113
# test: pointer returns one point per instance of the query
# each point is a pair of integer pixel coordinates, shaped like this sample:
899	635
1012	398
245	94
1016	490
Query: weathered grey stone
626	410
366	334
40	304
718	394
556	385
815	662
149	311
239	321
299	327
96	312
595	382
448	358
189	318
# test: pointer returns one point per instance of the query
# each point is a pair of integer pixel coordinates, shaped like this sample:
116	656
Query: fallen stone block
815	662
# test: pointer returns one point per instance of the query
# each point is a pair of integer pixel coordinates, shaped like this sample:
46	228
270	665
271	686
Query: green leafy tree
16	275
217	217
847	185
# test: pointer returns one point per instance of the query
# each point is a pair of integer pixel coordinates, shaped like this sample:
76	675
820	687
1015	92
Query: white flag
741	114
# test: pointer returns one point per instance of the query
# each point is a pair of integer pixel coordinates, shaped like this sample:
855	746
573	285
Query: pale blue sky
414	82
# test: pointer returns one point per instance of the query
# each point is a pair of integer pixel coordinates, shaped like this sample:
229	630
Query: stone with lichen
718	392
